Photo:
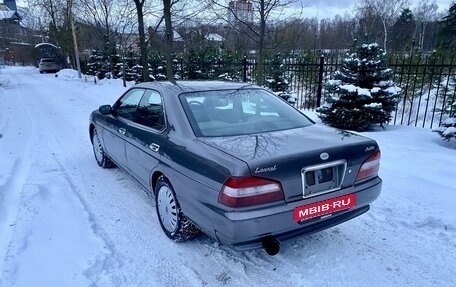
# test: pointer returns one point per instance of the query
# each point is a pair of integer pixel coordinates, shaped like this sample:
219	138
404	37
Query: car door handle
122	131
154	147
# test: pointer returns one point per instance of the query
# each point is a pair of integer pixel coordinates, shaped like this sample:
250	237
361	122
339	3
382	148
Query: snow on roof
177	37
8	14
214	37
21	43
45	44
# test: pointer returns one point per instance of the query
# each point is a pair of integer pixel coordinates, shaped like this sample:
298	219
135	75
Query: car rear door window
150	111
127	105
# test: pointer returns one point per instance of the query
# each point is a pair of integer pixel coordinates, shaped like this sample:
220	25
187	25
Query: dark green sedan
235	161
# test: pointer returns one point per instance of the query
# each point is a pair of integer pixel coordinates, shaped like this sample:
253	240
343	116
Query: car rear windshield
239	112
47	61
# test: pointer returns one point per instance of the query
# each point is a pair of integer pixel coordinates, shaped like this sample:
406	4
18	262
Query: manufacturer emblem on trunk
369	148
324	156
265	169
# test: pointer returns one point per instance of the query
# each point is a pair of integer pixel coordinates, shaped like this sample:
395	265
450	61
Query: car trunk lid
287	156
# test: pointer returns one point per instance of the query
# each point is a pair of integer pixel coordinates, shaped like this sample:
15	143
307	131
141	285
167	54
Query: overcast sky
330	8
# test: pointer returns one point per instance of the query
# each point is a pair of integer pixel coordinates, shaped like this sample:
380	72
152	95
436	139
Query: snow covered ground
66	222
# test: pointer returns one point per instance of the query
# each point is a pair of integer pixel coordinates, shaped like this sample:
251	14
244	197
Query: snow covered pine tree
277	81
362	93
448	128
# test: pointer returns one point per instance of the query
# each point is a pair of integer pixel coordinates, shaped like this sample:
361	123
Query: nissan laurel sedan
235	161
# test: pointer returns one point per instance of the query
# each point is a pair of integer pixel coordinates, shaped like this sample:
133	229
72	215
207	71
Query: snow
214	37
334	82
394	90
385	83
66	222
363	92
375	90
349	88
449	131
374	105
4	15
68	74
352	89
450	121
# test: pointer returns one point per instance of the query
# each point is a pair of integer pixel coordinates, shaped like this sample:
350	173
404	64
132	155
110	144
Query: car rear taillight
247	191
370	167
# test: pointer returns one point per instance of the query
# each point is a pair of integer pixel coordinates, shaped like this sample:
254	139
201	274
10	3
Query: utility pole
75	42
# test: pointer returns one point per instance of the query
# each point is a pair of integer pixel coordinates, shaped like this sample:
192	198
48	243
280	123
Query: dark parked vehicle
235	161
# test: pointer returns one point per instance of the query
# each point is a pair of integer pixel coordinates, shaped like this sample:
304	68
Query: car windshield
239	112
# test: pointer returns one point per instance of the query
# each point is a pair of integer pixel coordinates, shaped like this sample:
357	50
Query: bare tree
139	4
425	12
124	31
51	16
264	12
387	12
169	36
175	13
109	17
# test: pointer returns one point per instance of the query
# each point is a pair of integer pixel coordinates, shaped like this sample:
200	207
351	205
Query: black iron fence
428	85
428	82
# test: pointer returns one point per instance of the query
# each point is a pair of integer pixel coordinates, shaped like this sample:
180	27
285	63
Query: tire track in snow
23	145
68	165
21	172
107	259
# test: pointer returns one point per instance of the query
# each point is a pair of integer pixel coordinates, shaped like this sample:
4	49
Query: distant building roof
177	37
11	4
7	13
214	37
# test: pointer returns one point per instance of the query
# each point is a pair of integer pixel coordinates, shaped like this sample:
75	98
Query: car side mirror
105	109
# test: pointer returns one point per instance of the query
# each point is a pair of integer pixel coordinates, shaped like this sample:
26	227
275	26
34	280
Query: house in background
16	43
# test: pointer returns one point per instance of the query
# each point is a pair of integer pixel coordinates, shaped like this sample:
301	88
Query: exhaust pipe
271	245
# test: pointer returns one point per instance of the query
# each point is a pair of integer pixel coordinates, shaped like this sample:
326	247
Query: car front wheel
100	156
173	222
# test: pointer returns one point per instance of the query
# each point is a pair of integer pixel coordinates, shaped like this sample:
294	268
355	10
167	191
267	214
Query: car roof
179	87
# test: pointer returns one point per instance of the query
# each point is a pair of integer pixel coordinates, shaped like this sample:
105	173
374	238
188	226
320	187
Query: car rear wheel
173	222
100	156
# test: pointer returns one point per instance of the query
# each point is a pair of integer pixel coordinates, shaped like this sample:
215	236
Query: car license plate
324	207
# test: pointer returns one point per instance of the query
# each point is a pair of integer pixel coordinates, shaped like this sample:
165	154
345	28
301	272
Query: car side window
150	111
127	105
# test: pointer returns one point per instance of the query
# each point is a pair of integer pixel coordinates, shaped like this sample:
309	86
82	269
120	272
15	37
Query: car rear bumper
246	230
48	68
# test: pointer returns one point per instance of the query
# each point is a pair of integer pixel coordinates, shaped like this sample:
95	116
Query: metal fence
428	84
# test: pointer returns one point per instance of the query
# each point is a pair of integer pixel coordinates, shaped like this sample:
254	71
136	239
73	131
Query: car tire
100	155
173	222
